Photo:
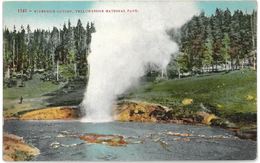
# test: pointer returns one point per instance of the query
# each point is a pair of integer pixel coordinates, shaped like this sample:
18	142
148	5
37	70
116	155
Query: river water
58	140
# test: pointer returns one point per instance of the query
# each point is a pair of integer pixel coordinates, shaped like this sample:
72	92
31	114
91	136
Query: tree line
224	41
56	50
220	42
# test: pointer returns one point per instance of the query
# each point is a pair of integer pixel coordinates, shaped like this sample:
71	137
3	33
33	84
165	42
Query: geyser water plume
124	44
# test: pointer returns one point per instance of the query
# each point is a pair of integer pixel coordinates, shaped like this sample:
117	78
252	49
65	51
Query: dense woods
224	41
220	42
59	51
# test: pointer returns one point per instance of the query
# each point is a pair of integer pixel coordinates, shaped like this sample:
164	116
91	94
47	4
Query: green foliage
71	56
67	71
225	49
208	42
207	53
26	51
182	61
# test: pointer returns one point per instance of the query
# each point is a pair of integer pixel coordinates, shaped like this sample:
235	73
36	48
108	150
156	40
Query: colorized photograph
129	80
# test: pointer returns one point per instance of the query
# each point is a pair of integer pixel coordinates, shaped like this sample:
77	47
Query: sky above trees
48	20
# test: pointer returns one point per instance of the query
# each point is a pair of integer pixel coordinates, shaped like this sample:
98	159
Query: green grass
33	88
33	94
224	92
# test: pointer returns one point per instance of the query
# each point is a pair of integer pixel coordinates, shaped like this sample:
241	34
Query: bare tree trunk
17	59
75	70
179	72
57	70
242	64
232	64
7	76
22	67
13	54
237	63
225	65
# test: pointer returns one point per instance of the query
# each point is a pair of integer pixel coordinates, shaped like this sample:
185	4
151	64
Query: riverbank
226	100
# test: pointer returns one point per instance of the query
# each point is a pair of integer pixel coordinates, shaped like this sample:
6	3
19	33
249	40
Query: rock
249	98
111	140
60	136
15	148
141	112
188	120
55	145
204	108
230	124
223	123
218	122
178	134
147	112
187	101
176	121
186	139
51	113
207	118
168	115
247	134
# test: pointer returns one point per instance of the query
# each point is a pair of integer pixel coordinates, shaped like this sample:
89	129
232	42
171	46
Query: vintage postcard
129	80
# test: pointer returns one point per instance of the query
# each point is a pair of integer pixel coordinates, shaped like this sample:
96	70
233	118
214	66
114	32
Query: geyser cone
124	44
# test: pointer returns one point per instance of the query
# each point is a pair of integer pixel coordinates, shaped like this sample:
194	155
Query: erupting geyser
125	42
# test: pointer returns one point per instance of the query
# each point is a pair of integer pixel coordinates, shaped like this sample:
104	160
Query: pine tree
207	58
80	44
226	38
217	33
71	44
53	44
7	41
22	50
13	49
226	26
225	50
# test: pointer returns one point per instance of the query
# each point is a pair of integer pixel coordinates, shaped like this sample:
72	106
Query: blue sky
47	20
209	7
42	20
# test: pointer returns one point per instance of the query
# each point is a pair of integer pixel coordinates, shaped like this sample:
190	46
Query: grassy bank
32	89
33	94
229	95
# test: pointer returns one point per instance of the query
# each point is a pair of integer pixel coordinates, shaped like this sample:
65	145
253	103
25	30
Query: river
58	140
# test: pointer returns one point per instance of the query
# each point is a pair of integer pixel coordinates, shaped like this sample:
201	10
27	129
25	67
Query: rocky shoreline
16	149
135	111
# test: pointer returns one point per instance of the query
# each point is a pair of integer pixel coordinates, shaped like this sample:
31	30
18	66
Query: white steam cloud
124	44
